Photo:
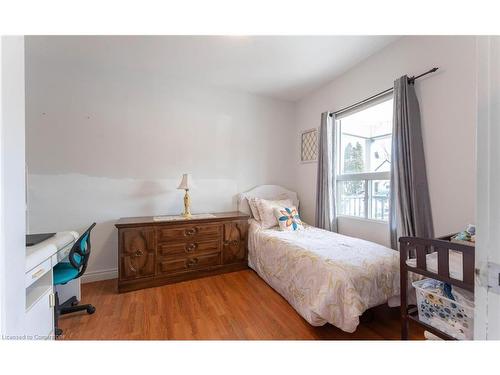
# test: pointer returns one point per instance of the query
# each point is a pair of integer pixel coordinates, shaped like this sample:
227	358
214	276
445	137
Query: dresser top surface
150	220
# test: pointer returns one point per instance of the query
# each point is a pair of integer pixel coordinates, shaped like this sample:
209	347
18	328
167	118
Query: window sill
363	219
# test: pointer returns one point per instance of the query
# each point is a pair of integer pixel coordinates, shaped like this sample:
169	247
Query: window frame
367	177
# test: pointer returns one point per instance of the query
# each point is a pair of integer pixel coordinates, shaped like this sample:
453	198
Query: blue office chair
64	272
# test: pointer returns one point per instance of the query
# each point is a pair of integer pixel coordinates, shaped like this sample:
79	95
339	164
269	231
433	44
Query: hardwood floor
238	305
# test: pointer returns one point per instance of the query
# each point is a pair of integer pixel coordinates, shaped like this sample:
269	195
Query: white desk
40	259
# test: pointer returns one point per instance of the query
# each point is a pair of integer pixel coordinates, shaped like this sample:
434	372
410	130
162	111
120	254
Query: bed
325	276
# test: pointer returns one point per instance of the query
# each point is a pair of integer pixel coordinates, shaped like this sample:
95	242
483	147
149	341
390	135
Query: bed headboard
265	192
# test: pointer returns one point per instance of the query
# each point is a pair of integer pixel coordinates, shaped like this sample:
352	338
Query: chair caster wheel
58	332
90	310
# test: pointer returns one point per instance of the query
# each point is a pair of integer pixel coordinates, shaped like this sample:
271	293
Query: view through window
364	161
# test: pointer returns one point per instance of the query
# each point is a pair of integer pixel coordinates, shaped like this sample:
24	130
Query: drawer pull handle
138	253
192	262
191	247
38	273
190	232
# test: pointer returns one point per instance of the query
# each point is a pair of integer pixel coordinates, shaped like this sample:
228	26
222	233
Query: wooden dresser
152	253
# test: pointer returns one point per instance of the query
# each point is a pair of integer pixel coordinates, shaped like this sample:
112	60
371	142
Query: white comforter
325	276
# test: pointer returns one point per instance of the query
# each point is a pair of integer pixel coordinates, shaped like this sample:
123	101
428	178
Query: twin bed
325	276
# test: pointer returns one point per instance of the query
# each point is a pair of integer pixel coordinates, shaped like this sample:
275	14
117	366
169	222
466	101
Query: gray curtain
326	216
410	206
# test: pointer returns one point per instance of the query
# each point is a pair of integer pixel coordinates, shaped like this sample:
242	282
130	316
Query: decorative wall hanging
309	146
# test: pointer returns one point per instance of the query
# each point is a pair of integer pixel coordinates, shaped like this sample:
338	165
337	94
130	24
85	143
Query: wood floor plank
236	306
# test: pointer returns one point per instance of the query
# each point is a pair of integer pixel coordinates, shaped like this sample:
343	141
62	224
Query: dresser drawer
187	232
189	263
183	249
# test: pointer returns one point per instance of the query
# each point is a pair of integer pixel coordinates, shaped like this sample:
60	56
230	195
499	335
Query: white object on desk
180	217
40	260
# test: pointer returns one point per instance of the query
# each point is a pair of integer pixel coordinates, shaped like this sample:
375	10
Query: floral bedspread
325	276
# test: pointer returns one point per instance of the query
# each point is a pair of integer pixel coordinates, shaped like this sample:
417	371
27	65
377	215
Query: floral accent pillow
288	218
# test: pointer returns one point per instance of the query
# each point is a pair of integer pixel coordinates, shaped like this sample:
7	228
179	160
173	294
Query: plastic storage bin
455	318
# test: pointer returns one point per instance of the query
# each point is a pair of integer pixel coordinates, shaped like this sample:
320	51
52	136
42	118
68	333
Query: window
364	160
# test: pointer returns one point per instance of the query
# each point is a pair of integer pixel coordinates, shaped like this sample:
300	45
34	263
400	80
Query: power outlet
494	277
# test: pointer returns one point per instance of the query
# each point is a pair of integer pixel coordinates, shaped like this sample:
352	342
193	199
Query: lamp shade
186	182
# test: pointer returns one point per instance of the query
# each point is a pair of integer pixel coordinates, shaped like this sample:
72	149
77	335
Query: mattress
325	276
455	264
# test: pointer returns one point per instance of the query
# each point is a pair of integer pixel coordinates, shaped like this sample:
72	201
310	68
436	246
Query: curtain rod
411	80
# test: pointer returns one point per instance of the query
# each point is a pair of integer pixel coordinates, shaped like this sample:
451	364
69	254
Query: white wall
448	113
12	187
107	144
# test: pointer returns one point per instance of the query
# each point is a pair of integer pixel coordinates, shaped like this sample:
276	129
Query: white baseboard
90	276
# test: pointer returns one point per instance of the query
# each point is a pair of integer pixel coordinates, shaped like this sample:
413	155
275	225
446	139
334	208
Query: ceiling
283	67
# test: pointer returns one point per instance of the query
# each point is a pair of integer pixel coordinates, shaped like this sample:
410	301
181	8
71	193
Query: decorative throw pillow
266	211
253	207
288	218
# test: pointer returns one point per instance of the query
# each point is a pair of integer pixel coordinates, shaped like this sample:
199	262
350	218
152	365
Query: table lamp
186	184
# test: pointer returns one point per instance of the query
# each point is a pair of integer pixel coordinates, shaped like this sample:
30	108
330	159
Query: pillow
288	218
266	211
283	196
253	207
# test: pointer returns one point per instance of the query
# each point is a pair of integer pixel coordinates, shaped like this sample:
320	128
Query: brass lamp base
187	202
